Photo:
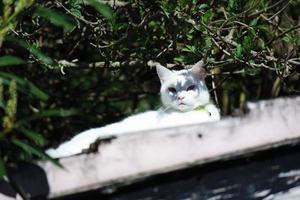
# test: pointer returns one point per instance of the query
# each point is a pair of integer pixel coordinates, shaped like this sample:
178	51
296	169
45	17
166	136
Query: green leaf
180	59
264	28
232	5
103	9
56	18
248	43
189	48
75	7
33	50
2	169
49	113
27	148
207	16
253	23
34	136
34	151
238	51
10	60
261	43
297	40
25	85
57	112
288	38
203	6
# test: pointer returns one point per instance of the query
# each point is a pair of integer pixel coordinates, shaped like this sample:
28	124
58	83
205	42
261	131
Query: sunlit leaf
288	38
207	16
253	22
238	51
56	18
75	7
189	48
10	60
232	5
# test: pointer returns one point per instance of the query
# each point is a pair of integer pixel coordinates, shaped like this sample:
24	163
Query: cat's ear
198	70
163	73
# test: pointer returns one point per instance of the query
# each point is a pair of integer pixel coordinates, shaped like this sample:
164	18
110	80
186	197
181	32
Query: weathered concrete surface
141	154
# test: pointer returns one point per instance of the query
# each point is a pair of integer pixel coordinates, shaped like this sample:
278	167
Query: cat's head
183	90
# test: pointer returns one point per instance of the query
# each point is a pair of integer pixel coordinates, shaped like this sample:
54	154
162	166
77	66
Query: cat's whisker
166	108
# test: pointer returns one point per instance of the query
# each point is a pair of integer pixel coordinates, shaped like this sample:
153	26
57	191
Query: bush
87	61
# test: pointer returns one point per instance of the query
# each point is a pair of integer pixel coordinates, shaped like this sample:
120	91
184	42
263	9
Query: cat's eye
191	87
172	89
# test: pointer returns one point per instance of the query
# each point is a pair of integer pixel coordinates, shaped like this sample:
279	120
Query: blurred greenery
86	61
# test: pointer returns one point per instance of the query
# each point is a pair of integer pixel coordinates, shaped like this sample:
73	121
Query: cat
185	100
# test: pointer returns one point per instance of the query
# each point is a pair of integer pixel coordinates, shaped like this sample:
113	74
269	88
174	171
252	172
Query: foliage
19	141
93	57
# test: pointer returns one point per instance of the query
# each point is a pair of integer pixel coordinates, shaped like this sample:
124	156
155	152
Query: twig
142	21
219	84
212	34
108	45
266	9
112	3
59	4
117	64
221	48
214	89
282	34
282	9
241	23
294	61
151	64
165	49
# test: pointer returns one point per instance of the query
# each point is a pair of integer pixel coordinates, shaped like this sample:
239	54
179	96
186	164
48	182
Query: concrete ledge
133	156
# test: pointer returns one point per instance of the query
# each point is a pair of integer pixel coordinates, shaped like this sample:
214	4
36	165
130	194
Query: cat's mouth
183	106
183	103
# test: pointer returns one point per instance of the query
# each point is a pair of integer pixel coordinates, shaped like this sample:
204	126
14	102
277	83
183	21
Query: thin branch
220	47
109	45
219	84
112	3
282	9
214	89
294	61
269	58
282	34
266	9
117	64
143	21
165	49
59	4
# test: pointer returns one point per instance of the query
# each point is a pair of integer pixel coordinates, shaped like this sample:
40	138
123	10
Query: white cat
185	100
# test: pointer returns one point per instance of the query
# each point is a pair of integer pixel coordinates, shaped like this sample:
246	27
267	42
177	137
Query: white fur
181	80
178	109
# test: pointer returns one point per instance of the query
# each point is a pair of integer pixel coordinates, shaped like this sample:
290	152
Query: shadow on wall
31	179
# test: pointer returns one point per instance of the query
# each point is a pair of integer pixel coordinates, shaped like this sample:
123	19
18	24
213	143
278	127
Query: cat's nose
180	97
